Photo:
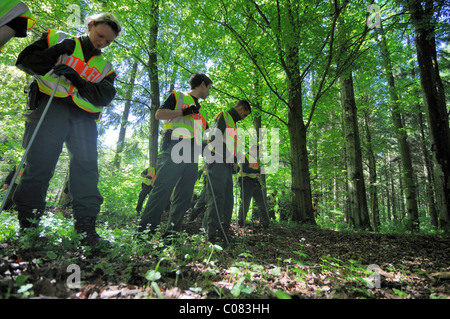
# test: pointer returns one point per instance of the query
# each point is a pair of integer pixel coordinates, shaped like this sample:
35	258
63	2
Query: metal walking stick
36	129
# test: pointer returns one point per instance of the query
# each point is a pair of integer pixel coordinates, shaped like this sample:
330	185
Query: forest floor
283	261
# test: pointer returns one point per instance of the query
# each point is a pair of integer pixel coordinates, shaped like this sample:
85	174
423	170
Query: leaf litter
283	261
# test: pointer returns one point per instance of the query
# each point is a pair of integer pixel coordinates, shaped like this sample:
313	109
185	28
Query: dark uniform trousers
220	200
145	190
172	179
63	123
251	188
201	203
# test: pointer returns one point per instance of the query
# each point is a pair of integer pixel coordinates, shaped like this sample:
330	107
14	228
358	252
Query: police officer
221	162
86	85
184	123
250	186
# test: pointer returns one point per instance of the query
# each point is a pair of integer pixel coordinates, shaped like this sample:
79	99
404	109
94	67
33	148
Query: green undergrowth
265	265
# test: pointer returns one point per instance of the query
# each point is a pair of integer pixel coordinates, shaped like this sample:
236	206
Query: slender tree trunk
336	188
358	212
435	104
407	173
428	172
373	189
124	121
392	184
401	188
154	81
257	121
387	185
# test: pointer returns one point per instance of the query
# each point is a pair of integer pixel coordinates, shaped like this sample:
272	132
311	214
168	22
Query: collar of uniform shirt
88	48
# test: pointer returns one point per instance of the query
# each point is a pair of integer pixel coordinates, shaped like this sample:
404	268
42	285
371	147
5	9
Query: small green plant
400	293
152	276
25	289
239	288
212	248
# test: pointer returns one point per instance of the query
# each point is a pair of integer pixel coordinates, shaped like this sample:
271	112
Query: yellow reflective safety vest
11	9
230	134
150	178
94	70
189	126
253	164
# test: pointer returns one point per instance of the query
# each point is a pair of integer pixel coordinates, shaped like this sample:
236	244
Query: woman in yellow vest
15	20
86	86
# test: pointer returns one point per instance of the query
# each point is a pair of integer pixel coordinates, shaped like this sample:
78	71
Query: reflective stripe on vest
253	164
189	126
95	70
150	173
230	136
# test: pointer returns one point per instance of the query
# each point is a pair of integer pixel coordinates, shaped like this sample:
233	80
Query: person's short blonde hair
106	18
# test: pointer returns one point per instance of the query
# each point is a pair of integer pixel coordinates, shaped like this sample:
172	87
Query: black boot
29	220
86	225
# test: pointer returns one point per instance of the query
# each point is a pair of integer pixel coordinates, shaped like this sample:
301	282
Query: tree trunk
124	121
373	189
428	172
301	183
257	121
154	81
435	105
301	186
387	185
393	195
357	201
427	161
407	173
